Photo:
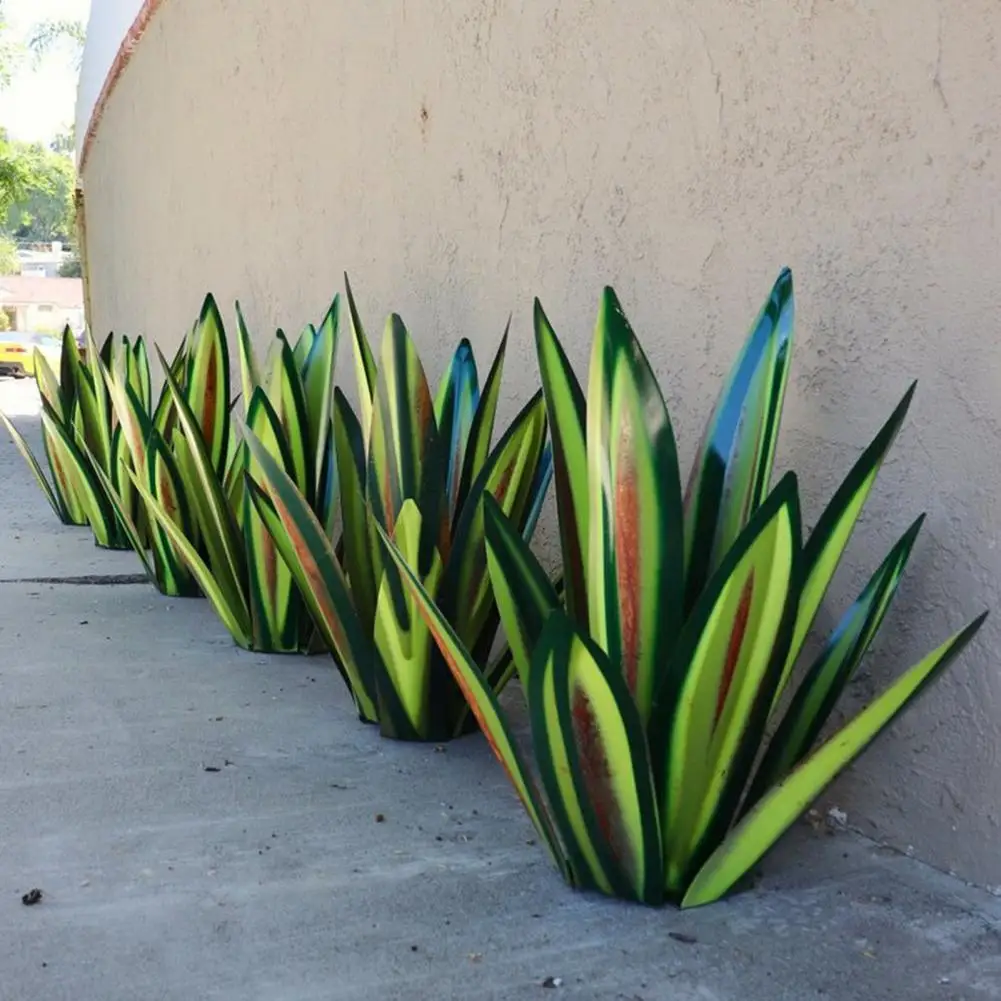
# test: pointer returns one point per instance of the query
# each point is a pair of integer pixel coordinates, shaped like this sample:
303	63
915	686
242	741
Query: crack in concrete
92	580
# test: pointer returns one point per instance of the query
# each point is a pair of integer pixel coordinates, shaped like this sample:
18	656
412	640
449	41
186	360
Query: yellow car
17	353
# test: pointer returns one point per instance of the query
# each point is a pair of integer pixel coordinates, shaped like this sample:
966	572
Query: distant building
43	260
35	303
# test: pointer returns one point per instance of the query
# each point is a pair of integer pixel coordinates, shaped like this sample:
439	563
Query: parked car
17	352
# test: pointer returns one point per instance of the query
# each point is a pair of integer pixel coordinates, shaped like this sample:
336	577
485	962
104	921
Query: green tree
71	268
9	262
43	210
49	34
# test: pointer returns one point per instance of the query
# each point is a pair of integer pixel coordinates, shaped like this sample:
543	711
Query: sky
40	103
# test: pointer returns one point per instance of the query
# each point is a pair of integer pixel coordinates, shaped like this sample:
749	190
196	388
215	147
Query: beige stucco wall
459	158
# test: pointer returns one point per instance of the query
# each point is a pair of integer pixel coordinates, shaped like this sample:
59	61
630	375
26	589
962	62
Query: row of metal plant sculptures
673	726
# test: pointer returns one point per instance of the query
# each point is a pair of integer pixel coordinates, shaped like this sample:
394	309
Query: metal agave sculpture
83	442
417	468
207	537
653	686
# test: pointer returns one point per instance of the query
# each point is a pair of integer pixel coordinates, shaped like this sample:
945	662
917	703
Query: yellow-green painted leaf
303	345
733	466
707	723
318	387
164	482
476	448
73	470
834	667
780	807
128	525
234	615
209	507
482	702
310	557
455	407
366	372
405	645
88	417
288	398
207	387
592	752
97	395
129	409
69	369
636	547
507	476
402	426
55	501
359	548
525	597
567	419
274	607
827	542
138	374
50	389
250	377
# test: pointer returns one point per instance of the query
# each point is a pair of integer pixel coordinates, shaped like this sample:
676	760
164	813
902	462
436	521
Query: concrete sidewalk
207	823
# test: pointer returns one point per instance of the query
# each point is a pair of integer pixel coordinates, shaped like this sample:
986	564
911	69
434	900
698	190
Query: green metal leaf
732	470
524	594
402	426
405	645
318	385
365	367
710	713
127	524
164	482
833	669
508	476
207	387
210	509
72	470
780	807
635	579
274	605
250	377
55	500
826	545
233	613
566	408
307	551
592	753
476	449
455	408
288	397
359	548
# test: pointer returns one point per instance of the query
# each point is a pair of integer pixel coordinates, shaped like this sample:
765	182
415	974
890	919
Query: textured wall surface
459	158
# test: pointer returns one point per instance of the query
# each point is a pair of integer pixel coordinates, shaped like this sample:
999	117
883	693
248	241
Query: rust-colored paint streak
736	642
165	493
122	59
626	535
317	587
597	775
210	402
504	483
59	471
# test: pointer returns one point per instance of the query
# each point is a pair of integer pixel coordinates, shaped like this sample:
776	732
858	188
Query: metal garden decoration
84	445
654	681
417	468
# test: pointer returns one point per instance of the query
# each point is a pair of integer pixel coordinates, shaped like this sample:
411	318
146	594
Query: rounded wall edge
114	30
